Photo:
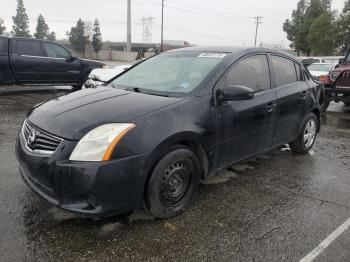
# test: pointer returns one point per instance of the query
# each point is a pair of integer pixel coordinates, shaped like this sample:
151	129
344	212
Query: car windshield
321	67
178	72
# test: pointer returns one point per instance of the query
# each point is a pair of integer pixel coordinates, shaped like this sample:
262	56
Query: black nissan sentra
149	136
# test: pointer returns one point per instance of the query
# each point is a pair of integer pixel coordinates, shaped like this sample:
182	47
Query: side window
299	74
32	48
56	51
3	46
251	72
284	70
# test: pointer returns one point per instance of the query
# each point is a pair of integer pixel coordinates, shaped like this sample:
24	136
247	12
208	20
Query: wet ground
277	207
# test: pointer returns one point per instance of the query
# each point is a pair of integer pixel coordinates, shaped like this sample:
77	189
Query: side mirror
341	61
71	58
234	93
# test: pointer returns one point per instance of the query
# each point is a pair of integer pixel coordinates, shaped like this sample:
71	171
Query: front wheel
173	183
306	138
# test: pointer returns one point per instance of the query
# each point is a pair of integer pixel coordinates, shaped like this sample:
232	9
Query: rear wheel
306	138
173	183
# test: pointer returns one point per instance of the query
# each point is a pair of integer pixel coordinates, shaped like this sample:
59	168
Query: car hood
92	62
318	73
72	116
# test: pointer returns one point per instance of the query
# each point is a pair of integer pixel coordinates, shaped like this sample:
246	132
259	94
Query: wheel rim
175	183
310	133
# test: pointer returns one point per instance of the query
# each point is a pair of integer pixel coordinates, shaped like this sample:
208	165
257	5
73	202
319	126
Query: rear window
3	46
32	48
284	70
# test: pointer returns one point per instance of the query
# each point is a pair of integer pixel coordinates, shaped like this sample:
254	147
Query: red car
337	83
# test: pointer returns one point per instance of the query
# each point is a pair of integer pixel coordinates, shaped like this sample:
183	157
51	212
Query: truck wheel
306	138
173	183
325	105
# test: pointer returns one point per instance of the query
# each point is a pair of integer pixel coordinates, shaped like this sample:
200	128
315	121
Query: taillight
324	79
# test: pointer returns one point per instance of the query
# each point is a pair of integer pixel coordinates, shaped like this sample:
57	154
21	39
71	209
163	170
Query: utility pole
257	22
128	34
162	31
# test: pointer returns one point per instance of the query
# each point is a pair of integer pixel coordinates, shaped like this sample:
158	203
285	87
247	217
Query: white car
99	76
319	69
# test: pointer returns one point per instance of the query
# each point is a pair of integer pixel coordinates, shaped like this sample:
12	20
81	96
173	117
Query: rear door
248	127
28	61
292	94
59	65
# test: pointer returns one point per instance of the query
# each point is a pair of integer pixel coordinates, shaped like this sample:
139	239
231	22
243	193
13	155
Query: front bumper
337	93
88	188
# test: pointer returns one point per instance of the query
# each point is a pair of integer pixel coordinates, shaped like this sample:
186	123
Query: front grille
39	141
344	79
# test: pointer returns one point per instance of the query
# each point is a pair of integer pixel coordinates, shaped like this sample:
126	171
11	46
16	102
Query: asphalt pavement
277	207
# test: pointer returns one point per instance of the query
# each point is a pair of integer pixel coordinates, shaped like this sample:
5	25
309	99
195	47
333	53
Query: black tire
173	183
347	103
325	105
299	145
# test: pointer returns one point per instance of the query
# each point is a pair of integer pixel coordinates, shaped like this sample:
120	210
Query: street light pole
257	18
162	31
128	34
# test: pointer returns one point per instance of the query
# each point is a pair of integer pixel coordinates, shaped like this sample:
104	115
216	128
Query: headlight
99	143
334	76
105	67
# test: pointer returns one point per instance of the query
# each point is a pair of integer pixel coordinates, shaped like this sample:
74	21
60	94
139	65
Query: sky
204	22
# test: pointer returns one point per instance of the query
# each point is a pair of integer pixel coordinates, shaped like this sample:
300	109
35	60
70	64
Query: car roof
231	49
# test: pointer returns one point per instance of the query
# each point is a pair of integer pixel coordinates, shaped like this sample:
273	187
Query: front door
60	67
248	127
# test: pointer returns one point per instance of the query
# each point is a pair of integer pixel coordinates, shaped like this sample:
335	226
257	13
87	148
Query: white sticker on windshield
212	55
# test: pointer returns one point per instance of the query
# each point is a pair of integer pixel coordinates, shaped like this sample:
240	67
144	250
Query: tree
42	29
2	27
322	36
343	36
77	38
51	36
97	37
298	28
20	21
295	30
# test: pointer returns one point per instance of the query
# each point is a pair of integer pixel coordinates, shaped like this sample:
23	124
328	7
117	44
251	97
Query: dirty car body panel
220	133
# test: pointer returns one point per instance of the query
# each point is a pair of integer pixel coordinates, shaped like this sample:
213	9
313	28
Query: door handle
270	107
303	94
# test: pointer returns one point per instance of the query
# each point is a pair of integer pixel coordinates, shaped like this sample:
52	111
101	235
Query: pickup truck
26	61
337	83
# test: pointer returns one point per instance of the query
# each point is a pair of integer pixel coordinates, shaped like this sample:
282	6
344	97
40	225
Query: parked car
337	83
27	61
307	61
149	135
319	69
99	76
